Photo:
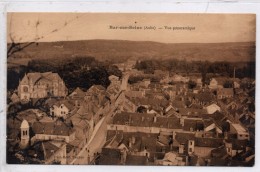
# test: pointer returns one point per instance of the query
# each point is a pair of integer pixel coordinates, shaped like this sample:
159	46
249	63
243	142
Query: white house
213	108
61	109
242	133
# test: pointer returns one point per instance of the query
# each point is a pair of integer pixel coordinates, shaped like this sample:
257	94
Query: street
96	142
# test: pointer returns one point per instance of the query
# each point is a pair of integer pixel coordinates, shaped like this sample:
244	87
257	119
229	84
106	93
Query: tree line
80	71
224	68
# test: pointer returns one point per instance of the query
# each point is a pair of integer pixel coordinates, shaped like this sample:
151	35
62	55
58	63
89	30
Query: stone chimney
181	149
182	121
133	140
130	143
173	135
154	119
123	156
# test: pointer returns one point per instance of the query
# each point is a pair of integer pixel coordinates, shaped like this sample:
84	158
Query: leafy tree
113	70
228	84
141	109
192	84
203	70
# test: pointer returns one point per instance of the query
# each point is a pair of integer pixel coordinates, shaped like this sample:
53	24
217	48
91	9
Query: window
25	89
190	149
228	149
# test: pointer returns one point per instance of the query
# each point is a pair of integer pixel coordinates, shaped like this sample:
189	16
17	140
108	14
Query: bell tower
24	134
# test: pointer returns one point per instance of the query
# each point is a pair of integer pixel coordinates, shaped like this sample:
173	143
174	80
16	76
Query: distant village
177	120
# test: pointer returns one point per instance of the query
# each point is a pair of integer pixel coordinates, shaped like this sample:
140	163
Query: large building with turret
41	85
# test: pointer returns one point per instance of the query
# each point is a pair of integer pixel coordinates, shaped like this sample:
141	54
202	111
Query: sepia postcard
131	89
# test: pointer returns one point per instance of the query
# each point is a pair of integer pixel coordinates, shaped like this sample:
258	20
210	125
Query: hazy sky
24	27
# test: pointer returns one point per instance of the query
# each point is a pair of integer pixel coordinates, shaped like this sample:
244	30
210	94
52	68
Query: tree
113	70
192	84
203	70
228	84
141	109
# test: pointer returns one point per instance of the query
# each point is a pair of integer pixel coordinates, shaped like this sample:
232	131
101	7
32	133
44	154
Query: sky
207	28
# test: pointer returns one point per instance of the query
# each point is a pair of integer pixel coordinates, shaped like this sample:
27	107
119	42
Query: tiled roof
77	93
36	76
14	97
191	111
145	120
171	113
52	128
218	118
80	121
51	101
88	109
31	115
178	104
115	140
221	80
193	124
110	157
44	149
219	152
148	101
208	122
163	139
183	137
206	97
96	89
141	142
67	103
49	149
135	160
225	91
208	142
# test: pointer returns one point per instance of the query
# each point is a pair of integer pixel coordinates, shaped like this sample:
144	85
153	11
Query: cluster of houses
163	122
171	124
57	126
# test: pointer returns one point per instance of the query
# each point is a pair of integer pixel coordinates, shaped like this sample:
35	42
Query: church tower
23	89
24	134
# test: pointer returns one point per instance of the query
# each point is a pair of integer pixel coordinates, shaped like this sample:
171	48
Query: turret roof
24	124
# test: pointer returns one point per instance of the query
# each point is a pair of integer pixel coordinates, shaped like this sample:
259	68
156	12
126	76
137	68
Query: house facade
225	93
61	109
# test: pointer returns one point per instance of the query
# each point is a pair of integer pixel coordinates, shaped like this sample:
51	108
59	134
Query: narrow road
96	142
